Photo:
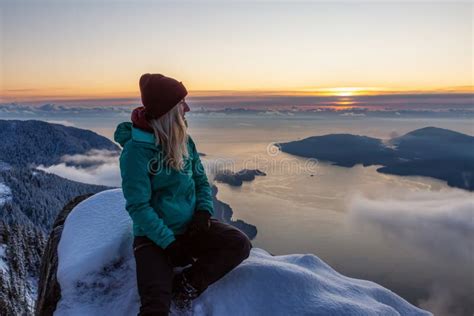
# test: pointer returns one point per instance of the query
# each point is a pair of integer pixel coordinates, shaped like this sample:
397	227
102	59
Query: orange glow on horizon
346	91
340	107
114	92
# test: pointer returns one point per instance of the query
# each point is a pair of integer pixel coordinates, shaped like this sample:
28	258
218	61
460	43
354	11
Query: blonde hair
170	132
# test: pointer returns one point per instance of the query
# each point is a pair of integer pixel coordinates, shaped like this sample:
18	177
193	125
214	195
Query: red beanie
160	94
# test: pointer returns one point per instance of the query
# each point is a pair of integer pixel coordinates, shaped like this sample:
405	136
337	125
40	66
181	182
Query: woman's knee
242	246
230	240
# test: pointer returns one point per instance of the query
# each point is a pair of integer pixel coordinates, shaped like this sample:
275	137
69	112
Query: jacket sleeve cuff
166	242
206	211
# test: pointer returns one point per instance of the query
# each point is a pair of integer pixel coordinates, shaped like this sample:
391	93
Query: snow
31	293
96	272
5	194
3	258
97	231
4	166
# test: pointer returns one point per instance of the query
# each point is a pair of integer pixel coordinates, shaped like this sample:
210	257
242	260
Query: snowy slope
96	272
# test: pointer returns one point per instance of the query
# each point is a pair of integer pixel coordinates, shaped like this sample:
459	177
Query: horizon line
256	93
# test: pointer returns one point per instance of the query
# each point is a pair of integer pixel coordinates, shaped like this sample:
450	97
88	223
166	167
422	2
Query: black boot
183	292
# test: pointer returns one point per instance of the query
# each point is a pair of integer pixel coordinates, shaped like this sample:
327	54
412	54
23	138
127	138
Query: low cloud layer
92	157
102	167
414	103
441	224
438	221
443	301
61	122
95	167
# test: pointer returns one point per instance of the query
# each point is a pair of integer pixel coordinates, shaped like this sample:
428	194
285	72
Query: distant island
432	152
237	178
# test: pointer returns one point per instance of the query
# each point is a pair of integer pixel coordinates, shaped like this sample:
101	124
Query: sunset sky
99	49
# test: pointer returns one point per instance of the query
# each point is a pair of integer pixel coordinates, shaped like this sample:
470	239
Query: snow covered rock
96	273
49	292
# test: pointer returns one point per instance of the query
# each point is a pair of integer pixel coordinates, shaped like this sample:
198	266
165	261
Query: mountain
432	152
38	142
89	269
36	197
434	143
30	202
31	199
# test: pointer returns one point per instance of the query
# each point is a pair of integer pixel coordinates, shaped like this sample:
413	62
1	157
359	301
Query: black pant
218	251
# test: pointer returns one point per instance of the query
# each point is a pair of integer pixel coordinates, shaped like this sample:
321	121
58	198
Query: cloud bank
95	167
439	223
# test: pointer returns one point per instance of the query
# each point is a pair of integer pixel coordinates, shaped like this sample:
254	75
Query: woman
169	199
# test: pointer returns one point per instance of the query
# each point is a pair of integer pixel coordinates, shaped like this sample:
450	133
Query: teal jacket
161	201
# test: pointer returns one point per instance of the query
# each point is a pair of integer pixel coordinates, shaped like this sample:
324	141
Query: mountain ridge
38	142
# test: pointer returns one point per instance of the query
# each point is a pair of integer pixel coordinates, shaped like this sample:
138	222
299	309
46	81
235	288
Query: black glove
178	256
200	223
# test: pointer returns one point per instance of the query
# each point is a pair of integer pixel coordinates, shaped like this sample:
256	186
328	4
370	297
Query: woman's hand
200	223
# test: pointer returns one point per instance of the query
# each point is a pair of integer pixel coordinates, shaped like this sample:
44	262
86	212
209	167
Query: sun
344	91
344	94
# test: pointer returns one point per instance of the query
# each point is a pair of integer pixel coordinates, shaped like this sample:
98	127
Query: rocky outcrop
224	213
49	291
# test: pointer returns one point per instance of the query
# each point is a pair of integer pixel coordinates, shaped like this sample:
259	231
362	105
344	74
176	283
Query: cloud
61	122
106	174
353	114
91	158
102	167
95	167
408	101
439	224
442	301
65	109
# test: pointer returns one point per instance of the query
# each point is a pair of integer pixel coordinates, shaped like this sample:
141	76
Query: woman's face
184	107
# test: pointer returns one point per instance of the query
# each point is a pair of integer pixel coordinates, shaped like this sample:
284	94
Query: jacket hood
139	119
125	131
